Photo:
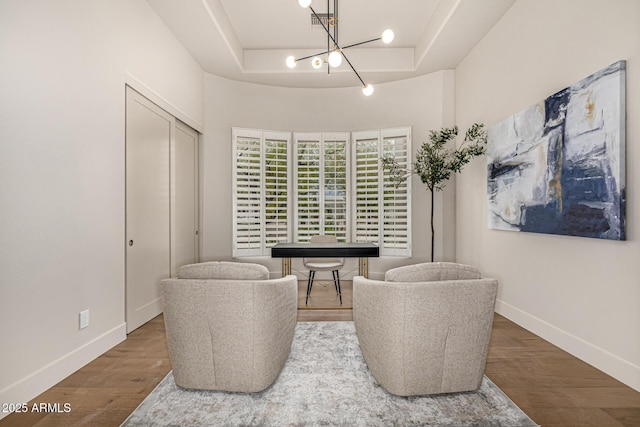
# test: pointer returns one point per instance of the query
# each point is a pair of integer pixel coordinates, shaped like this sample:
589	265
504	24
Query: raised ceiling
248	40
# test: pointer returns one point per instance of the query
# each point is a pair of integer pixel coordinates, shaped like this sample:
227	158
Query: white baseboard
27	388
620	369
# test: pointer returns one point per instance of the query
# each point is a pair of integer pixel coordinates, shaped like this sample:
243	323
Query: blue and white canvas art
558	167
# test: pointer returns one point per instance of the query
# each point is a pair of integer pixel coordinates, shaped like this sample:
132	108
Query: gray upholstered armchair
228	326
425	329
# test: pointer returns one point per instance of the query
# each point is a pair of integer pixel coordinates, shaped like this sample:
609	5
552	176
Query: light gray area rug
325	382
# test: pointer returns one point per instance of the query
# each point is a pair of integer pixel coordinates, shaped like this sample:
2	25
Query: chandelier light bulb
316	62
335	59
367	90
304	3
291	61
387	36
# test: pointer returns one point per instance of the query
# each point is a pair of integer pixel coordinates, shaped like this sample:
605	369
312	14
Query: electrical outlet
84	319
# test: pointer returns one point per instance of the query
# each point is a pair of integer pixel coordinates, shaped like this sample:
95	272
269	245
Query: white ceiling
248	40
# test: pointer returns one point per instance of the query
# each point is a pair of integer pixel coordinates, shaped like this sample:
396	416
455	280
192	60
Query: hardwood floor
107	390
551	386
323	304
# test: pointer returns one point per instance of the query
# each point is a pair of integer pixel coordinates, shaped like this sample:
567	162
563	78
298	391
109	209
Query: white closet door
149	132
185	213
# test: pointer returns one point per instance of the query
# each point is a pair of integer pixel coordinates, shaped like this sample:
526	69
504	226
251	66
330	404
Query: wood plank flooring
324	304
552	387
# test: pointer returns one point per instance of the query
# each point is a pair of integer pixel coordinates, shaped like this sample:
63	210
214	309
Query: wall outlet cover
84	319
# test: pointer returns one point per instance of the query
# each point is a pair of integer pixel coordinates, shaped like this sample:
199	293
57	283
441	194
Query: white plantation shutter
276	188
366	186
260	190
396	206
321	183
307	186
335	180
381	210
247	173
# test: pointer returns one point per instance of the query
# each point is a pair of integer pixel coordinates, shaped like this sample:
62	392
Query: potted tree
435	162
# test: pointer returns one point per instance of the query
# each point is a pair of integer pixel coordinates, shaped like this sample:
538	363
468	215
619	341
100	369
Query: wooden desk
363	251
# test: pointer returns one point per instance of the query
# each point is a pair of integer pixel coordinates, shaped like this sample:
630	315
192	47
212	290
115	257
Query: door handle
130	242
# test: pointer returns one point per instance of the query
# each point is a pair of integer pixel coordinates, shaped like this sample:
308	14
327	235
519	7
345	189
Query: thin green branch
435	163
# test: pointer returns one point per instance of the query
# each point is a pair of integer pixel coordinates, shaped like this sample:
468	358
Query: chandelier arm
311	56
329	51
354	70
358	44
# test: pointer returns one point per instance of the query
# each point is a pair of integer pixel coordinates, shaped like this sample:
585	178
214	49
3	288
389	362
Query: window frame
379	136
291	140
262	249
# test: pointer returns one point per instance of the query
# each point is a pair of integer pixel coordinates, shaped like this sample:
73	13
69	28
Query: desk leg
286	266
363	267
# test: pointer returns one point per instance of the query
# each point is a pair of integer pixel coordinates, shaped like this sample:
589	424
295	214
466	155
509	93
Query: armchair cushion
432	272
224	270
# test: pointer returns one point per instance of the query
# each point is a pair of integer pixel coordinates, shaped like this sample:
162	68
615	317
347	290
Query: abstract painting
558	167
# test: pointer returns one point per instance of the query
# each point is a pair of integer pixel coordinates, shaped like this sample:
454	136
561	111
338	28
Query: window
331	184
381	211
260	190
321	185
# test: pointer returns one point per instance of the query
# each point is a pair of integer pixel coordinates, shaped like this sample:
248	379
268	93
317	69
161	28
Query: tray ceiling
248	40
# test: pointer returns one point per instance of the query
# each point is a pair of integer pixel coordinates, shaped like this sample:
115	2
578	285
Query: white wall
63	69
581	294
424	103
